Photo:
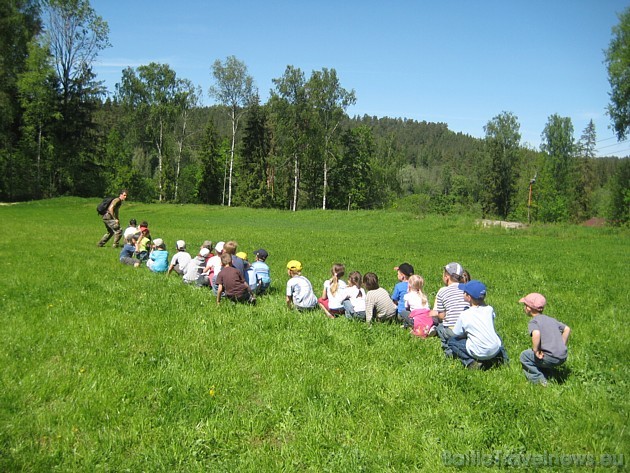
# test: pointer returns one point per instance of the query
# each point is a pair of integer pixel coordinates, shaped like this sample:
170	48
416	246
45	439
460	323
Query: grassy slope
109	368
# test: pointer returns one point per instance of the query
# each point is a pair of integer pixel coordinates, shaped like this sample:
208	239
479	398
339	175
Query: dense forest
61	134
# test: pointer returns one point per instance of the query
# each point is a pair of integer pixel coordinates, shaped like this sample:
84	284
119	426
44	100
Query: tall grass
110	368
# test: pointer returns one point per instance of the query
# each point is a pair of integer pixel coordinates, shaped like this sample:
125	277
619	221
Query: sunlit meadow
110	368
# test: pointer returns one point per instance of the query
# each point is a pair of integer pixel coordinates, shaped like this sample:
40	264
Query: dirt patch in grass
595	222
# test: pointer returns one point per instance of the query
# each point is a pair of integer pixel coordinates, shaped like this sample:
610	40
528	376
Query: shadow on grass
559	375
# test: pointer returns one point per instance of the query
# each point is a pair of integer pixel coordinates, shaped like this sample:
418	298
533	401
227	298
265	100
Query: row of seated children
460	316
210	263
205	268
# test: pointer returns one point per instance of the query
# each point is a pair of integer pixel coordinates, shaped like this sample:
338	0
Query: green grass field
110	368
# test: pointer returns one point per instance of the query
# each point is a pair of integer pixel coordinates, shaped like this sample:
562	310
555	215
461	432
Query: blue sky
459	62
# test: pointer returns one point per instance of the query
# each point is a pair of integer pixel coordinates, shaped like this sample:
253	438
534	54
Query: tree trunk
231	162
295	181
38	184
159	150
180	146
325	183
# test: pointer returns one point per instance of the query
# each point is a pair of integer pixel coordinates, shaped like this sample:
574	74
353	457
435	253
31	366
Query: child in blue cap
475	341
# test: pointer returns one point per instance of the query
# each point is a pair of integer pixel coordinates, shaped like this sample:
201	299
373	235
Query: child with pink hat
549	340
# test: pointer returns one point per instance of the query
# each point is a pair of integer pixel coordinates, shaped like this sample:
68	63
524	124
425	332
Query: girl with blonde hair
333	295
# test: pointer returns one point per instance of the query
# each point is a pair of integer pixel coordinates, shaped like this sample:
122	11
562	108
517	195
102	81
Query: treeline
60	135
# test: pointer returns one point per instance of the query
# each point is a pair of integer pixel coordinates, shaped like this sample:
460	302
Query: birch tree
37	97
75	34
618	62
186	99
289	102
234	88
330	102
154	97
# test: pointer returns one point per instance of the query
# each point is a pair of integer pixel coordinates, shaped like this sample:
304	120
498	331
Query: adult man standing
111	221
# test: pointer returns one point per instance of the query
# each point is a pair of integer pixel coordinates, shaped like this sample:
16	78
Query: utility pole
529	199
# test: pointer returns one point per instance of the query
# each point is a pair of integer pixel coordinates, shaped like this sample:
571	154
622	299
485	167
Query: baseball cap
180	244
405	268
294	265
455	269
535	301
204	252
158	242
475	289
261	253
219	246
242	255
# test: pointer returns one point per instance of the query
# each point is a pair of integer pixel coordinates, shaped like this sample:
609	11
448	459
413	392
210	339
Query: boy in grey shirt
549	340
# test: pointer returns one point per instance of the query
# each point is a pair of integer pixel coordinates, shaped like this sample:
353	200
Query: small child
417	314
143	241
231	248
249	275
333	295
231	282
127	251
263	275
158	258
405	271
549	340
131	230
299	289
475	341
378	304
354	303
180	259
196	266
449	303
212	269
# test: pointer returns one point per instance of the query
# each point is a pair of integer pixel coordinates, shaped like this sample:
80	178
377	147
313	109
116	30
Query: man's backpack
101	208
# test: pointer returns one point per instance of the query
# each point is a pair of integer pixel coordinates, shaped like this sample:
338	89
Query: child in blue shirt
158	258
261	270
405	270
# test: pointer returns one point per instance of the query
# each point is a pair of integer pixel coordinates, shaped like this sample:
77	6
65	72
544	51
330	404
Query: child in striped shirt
449	304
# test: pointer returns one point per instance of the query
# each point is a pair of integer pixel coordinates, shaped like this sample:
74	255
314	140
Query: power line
618	153
621	151
614	144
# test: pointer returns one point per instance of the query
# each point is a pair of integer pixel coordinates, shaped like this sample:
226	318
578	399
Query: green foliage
298	151
75	34
256	169
19	23
107	367
557	188
502	145
235	90
619	211
618	62
209	190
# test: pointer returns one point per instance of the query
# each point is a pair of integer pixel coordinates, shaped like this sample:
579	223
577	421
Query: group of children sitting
227	272
460	317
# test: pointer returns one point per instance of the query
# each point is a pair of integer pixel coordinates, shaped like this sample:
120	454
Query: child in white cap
180	260
196	266
449	303
549	340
